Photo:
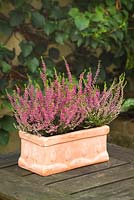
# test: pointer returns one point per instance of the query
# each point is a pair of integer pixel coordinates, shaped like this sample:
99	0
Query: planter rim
71	136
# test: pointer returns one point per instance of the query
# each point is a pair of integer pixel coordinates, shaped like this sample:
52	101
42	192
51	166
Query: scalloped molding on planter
59	153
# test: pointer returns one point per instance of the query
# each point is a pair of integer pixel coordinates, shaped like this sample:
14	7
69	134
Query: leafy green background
94	30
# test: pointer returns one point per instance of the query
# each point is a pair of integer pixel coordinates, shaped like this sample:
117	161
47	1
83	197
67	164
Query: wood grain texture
94	179
121	190
121	153
112	180
8	159
76	172
17	188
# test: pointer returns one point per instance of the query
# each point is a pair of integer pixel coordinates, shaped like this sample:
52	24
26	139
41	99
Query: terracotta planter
50	155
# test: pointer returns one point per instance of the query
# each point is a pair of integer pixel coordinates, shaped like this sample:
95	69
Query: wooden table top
112	180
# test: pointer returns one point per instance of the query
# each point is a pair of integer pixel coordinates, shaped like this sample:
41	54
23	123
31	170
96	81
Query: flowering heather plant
64	105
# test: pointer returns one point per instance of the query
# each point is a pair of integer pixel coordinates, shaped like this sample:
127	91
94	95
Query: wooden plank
95	179
18	184
121	153
15	169
121	190
17	188
8	159
75	173
6	197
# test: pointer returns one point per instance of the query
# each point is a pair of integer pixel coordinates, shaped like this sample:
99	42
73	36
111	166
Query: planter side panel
47	160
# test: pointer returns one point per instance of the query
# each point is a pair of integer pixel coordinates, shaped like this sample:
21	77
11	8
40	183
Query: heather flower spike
66	106
97	72
68	70
43	74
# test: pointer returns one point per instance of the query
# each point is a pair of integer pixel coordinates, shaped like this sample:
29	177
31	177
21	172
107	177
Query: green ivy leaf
57	13
128	105
32	64
79	42
49	27
5	67
26	47
119	35
16	18
129	5
5	104
98	16
74	12
5	52
94	44
81	22
7	123
5	27
4	137
75	35
38	20
110	3
61	37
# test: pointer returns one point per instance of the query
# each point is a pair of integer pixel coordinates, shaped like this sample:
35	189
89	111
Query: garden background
82	31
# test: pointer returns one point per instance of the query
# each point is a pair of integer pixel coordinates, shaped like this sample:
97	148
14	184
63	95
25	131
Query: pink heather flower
43	74
64	106
68	71
97	73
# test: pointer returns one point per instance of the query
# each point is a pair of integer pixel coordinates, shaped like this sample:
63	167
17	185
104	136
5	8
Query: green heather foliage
64	106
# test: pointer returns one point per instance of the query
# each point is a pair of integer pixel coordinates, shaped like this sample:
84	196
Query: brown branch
21	75
118	5
130	28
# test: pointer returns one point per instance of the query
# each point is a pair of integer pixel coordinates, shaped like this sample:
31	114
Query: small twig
21	75
118	5
131	28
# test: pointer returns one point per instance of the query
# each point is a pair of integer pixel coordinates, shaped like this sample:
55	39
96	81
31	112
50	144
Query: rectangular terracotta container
50	155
